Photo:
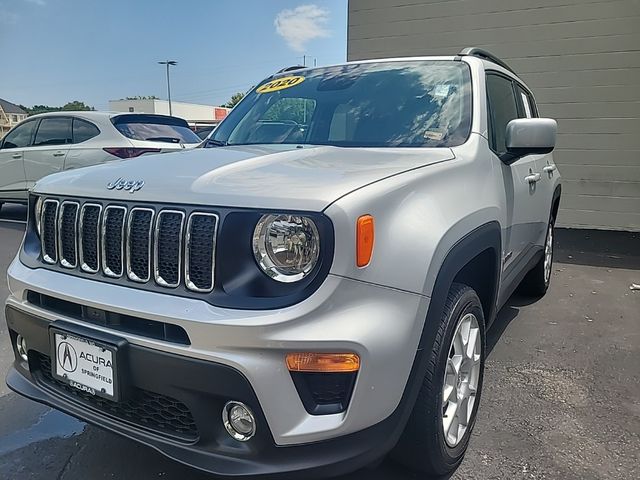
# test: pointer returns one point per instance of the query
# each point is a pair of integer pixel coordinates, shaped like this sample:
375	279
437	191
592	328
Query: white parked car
52	142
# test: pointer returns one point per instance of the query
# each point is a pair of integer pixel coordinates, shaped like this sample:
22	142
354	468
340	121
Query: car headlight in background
286	247
37	211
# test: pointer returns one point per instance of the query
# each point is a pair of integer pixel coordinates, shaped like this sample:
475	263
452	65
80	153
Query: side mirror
526	136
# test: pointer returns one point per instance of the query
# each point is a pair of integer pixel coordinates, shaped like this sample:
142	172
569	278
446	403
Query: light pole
169	63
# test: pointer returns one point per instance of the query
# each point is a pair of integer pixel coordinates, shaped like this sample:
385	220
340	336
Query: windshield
394	104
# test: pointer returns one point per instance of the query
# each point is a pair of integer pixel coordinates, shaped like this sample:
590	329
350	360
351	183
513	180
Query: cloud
301	25
7	17
42	3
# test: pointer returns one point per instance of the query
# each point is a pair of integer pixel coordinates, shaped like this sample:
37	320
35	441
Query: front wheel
438	431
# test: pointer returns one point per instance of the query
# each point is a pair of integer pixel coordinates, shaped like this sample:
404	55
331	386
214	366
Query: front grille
139	244
201	240
49	229
164	246
166	332
113	240
152	411
68	221
168	247
89	237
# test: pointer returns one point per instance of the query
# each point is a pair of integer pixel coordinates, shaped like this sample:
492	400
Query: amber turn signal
364	240
323	362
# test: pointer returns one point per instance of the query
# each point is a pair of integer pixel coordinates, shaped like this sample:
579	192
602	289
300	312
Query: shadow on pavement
598	248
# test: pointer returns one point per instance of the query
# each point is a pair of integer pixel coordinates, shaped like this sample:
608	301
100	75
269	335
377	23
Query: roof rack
484	55
290	69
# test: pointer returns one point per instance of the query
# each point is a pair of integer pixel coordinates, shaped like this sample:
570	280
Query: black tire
536	282
422	446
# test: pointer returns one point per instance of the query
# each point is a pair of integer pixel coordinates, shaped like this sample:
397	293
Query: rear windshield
155	128
383	104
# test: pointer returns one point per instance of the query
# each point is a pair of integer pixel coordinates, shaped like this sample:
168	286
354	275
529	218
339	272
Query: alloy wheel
548	254
461	379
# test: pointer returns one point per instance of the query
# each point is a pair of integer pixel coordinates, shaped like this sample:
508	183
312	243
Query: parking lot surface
561	392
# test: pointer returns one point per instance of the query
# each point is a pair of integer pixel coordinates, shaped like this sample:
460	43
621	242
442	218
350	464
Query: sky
56	51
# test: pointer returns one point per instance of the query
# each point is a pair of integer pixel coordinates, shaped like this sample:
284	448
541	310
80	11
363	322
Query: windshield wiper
217	143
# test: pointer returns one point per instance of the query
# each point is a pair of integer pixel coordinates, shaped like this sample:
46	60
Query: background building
580	57
193	113
10	115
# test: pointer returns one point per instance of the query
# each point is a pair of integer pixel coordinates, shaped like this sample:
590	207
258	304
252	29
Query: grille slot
48	235
199	255
149	410
139	244
168	247
67	225
112	240
89	237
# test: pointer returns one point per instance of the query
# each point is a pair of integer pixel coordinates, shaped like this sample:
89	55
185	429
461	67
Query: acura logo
67	357
122	184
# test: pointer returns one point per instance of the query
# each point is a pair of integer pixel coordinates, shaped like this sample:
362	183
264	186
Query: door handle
58	154
549	169
16	155
533	178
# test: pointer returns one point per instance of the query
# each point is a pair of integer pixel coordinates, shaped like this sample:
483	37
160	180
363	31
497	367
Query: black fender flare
556	197
486	236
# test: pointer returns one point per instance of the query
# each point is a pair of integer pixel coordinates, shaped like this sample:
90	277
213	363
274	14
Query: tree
235	99
75	105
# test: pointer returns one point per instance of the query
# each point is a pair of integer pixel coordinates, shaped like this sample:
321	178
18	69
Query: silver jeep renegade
308	291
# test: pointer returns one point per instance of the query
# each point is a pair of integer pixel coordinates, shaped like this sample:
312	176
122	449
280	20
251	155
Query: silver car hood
273	176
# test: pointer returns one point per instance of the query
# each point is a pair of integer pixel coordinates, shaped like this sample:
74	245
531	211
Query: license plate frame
92	347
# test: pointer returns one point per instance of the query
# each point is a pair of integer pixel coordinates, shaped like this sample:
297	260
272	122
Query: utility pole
169	63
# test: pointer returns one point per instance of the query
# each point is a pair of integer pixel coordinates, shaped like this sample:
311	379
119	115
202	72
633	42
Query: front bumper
203	387
246	350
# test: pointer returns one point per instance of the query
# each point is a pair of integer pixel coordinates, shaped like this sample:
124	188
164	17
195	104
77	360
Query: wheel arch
555	202
485	238
473	260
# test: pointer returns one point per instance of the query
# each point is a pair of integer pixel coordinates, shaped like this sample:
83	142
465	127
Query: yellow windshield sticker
280	84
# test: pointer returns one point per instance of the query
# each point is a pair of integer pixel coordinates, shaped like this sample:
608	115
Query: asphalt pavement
561	394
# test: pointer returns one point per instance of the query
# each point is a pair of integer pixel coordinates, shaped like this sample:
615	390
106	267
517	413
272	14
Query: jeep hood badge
122	184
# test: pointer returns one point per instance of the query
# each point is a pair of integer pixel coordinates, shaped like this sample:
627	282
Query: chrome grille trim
156	271
83	265
105	268
144	246
130	273
45	256
66	262
187	279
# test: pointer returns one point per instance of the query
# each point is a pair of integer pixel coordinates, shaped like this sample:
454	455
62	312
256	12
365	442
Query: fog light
21	347
239	421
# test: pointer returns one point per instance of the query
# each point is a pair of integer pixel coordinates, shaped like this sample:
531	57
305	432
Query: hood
272	177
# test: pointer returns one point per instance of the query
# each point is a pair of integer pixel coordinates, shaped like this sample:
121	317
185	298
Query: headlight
37	211
286	247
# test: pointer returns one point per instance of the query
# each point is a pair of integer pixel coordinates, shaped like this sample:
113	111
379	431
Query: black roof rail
483	54
290	69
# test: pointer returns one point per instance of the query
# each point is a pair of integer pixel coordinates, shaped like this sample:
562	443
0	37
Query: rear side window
155	128
53	131
83	130
526	103
20	136
502	109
